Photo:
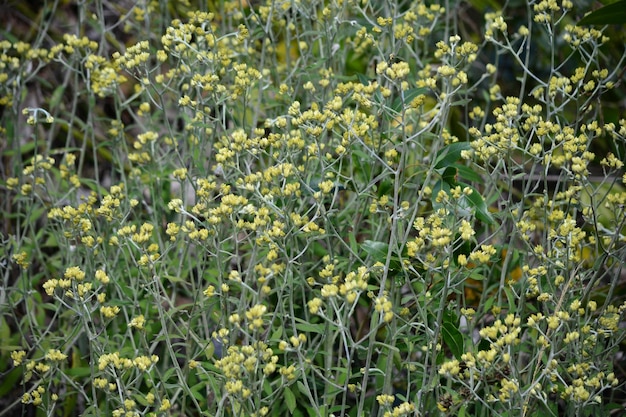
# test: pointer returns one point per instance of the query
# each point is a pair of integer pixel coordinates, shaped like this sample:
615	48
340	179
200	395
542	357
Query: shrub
312	208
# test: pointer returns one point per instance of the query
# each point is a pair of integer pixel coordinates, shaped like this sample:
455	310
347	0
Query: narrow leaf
363	79
57	95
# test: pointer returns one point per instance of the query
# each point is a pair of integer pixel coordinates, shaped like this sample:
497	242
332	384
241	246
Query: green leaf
290	399
488	303
477	276
210	349
9	36
450	154
462	102
10	380
476	201
467	173
440	185
363	79
278	333
24	149
450	176
56	96
173	278
385	187
451	334
304	326
5	333
377	250
406	97
302	388
612	14
612	406
353	243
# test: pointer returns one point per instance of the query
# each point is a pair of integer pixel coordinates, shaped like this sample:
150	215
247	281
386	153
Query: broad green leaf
278	333
450	154
440	185
173	278
9	36
477	276
488	303
612	14
377	250
451	334
385	187
611	407
267	388
484	5
79	371
290	399
363	79
450	176
302	388
303	326
476	201
10	380
406	97
209	350
467	173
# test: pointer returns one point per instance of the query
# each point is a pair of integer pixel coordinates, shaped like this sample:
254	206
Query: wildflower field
312	208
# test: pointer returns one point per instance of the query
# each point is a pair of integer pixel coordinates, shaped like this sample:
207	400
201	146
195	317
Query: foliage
614	13
372	208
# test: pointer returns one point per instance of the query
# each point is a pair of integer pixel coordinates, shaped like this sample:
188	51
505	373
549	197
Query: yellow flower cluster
105	75
494	24
255	316
354	284
501	137
404	409
135	56
34	397
577	36
384	306
116	361
241	363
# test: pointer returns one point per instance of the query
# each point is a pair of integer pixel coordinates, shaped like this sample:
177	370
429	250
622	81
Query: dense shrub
312	208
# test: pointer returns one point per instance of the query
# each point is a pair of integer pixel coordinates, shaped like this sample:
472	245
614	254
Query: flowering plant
313	208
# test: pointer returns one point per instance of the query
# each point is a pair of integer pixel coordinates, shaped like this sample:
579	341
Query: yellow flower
55	355
18	356
314	305
109	312
138	322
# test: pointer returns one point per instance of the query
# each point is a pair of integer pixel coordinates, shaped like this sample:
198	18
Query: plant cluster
349	208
